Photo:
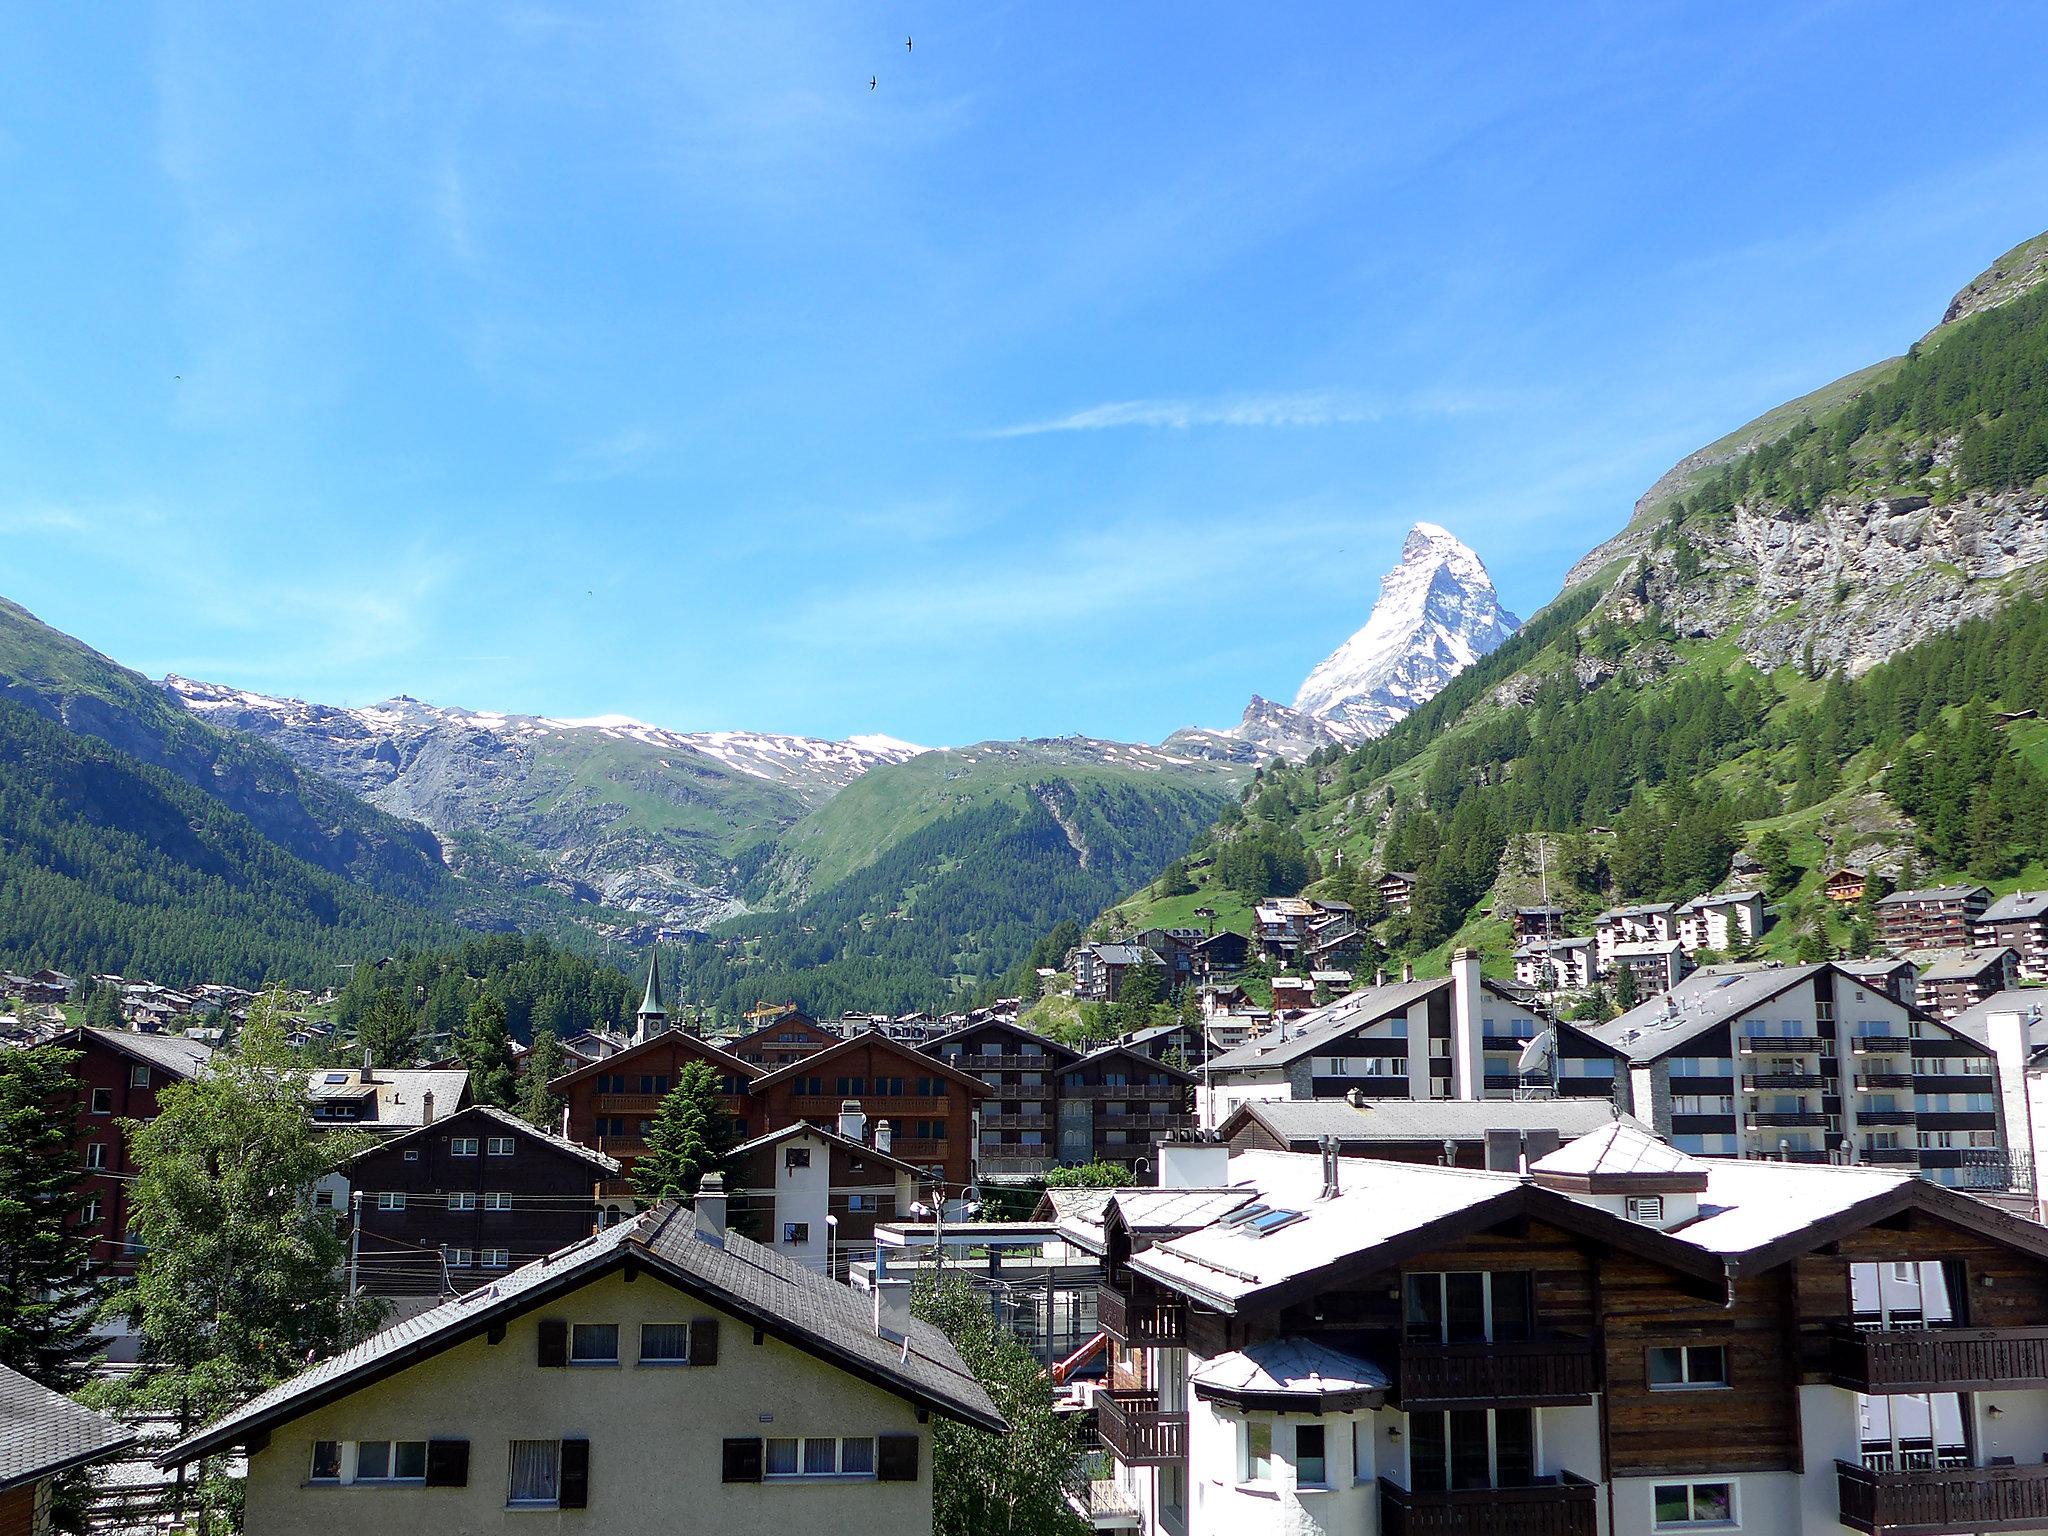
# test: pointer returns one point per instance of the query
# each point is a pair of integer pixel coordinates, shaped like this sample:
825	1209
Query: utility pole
355	1239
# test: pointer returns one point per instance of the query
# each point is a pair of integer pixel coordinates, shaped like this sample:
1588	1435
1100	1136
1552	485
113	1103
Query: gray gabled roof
43	1433
755	1283
1959	964
1431	1120
1933	893
2031	1003
490	1114
830	1138
1707	997
172	1053
1317	1028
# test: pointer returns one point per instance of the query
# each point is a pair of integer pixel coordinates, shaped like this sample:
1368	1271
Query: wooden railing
1563	1507
1018	1122
1793	1044
1943	1500
1763	1080
1867	1080
1170	1092
1883	1360
1007	1061
1136	1432
1142	1316
1543	1371
1783	1117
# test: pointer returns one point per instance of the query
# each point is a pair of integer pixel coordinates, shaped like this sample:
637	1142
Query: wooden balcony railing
1885	1117
1803	1045
1142	1316
1169	1092
1007	1061
1885	1360
1775	1118
627	1103
1943	1500
1869	1080
1017	1122
1157	1120
1015	1162
1541	1372
1136	1432
1563	1506
1763	1080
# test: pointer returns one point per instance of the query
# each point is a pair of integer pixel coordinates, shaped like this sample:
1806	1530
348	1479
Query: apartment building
815	1193
612	1101
1657	965
1621	1340
457	1203
1897	977
1653	922
1724	921
786	1038
664	1373
1298	931
2021	921
1397	889
119	1074
1935	917
1443	1038
931	1107
1540	922
1557	965
1020	1117
1952	980
1099	969
1456	1133
1808	1063
1114	1103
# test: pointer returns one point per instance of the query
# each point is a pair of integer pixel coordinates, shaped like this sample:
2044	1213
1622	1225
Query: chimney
1199	1161
892	1308
883	1135
1407	970
1468	1047
711	1210
1379	976
1504	1151
366	1066
852	1123
1327	1145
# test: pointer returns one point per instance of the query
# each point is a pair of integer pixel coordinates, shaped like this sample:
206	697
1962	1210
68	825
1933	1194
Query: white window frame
1325	1481
391	1460
462	1200
803	1444
593	1360
463	1146
497	1258
390	1199
96	1155
138	1076
1687	1382
646	1359
498	1200
461	1258
512	1499
1248	1475
1732	1523
499	1146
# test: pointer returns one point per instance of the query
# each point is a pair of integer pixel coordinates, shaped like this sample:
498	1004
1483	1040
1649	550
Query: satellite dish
1538	1054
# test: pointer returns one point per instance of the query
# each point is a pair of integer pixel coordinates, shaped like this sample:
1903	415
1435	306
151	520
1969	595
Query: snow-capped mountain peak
1437	614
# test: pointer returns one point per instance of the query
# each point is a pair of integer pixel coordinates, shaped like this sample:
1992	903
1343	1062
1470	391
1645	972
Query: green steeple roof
651	1005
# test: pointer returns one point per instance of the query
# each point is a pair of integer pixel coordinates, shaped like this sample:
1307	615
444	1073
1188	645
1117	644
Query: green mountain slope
48	672
926	879
1795	647
108	863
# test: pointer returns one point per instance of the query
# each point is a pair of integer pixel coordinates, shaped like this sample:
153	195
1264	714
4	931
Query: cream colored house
660	1376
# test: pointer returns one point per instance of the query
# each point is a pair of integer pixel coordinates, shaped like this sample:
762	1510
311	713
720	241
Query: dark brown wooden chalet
791	1037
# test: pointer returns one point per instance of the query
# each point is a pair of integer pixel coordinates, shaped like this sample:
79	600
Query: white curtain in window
536	1471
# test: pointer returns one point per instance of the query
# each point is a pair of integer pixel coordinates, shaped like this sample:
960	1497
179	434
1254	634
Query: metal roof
43	1432
1333	1021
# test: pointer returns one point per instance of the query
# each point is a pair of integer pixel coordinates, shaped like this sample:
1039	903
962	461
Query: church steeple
652	1018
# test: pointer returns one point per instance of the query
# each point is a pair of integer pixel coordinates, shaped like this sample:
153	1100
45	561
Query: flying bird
906	45
871	82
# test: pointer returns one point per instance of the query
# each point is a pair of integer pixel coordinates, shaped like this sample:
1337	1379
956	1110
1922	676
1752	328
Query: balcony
1803	1045
1144	1316
1883	1360
1564	1506
1014	1161
1502	1043
1869	1080
1019	1122
1774	1118
1884	1117
1758	1081
1136	1432
626	1103
1943	1500
1159	1120
1552	1372
1006	1061
1891	1154
1882	1045
1167	1092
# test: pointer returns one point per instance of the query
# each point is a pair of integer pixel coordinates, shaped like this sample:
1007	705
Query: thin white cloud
1286	408
611	456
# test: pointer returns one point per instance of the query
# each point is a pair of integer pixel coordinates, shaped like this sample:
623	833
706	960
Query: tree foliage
46	1290
486	1050
998	1485
689	1138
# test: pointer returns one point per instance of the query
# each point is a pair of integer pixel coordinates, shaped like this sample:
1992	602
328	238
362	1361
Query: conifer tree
46	1292
690	1135
486	1050
546	1061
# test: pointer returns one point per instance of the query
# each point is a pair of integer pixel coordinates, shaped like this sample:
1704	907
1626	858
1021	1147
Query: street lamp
831	1246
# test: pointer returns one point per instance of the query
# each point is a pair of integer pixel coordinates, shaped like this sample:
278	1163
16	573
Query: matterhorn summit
1437	614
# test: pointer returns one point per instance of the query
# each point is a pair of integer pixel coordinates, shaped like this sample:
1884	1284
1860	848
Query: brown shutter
554	1341
447	1463
704	1341
742	1461
896	1459
575	1475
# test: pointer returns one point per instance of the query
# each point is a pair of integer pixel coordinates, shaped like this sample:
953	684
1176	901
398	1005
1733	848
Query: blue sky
1082	376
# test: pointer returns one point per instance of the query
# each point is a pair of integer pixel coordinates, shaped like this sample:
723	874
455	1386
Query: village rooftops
1959	964
1935	893
176	1054
1711	996
1289	1238
1146	1212
1124	954
1644	949
43	1433
390	1096
1622	1157
2030	1003
777	1294
1641	909
804	1128
2019	907
1317	1028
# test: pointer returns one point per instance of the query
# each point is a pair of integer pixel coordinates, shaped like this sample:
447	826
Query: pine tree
546	1061
389	1031
483	1046
691	1134
46	1291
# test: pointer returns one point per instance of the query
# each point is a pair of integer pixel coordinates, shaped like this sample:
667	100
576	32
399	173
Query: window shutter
554	1341
704	1341
575	1475
896	1459
447	1463
742	1461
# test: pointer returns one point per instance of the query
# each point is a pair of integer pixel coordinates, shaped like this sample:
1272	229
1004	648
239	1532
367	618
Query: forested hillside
111	864
1718	680
539	984
954	900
